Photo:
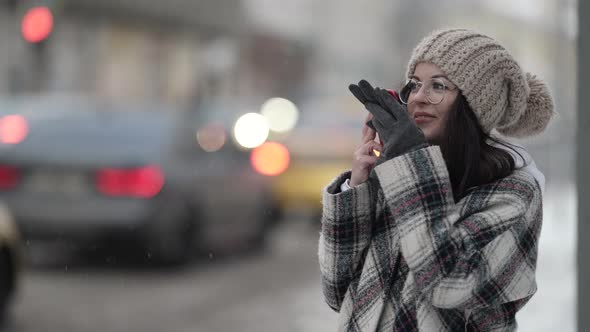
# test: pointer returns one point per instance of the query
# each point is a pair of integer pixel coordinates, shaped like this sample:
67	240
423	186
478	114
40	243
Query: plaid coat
399	254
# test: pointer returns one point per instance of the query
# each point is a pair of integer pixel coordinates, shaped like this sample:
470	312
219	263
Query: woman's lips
421	117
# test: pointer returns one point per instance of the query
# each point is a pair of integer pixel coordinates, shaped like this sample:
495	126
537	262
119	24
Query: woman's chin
426	131
430	137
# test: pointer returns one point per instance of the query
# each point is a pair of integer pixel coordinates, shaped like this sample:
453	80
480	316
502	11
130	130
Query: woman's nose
421	96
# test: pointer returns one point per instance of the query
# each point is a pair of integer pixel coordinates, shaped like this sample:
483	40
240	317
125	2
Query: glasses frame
420	84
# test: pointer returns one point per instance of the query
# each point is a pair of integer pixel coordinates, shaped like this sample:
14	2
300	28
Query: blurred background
161	162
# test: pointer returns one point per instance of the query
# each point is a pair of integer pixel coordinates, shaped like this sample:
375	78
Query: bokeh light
282	114
13	129
270	158
37	24
211	137
251	130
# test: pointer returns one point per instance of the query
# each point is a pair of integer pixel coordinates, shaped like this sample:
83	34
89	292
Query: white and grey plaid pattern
398	254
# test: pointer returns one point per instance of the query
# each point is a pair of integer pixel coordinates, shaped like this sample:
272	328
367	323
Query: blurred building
175	51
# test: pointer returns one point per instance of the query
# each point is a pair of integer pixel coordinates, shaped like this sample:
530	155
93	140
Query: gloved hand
365	93
397	130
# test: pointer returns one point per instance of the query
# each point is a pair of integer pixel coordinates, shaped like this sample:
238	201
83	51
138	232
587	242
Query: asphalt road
275	290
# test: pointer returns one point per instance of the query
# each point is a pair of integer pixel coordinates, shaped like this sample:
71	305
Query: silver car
93	172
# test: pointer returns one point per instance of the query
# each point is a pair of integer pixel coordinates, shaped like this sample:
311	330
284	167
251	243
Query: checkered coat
399	254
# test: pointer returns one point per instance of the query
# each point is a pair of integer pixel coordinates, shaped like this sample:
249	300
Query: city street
278	290
132	132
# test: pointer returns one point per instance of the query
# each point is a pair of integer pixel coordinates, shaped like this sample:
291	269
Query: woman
440	232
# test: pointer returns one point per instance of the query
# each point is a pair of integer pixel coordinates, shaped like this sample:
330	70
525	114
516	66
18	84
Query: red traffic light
37	24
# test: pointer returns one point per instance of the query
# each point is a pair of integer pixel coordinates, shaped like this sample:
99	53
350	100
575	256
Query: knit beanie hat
500	94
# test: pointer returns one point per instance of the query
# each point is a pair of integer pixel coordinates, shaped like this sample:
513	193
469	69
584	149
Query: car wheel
268	219
6	282
173	245
183	250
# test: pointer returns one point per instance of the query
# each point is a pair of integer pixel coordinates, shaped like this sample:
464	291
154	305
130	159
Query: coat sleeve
479	252
345	236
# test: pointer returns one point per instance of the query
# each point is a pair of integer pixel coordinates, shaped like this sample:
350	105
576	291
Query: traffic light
37	24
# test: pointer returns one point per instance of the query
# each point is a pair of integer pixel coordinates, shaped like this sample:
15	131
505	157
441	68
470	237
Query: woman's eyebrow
433	76
440	76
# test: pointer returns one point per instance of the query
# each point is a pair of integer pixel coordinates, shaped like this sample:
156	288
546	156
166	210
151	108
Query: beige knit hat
501	95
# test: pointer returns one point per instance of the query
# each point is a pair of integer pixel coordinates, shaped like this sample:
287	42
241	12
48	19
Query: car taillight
9	177
142	182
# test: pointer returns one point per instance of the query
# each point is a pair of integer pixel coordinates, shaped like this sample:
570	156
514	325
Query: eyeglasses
435	90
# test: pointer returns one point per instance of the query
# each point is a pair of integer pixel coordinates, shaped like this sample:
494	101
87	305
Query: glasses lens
404	94
436	90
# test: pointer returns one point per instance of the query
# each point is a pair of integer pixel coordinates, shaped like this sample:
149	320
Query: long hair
471	159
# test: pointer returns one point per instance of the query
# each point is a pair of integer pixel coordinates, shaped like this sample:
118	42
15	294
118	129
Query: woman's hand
364	159
397	130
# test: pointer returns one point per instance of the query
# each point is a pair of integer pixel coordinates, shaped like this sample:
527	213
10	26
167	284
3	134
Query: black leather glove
391	120
365	93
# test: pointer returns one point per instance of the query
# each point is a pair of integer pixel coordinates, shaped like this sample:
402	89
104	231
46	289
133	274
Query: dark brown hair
471	159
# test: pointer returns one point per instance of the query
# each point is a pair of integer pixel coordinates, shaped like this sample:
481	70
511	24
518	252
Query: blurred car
10	259
85	171
300	187
321	147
